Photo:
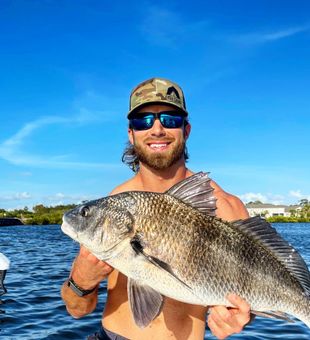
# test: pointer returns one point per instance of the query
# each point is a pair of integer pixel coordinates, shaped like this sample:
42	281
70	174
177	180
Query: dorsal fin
263	232
197	192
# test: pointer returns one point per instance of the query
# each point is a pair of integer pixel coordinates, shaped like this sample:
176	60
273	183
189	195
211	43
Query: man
158	130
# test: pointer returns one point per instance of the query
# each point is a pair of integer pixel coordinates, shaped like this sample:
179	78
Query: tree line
39	214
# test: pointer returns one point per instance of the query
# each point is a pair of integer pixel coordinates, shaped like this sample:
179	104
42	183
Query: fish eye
84	211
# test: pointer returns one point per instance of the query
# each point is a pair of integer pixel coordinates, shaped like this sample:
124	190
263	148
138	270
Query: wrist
83	283
78	290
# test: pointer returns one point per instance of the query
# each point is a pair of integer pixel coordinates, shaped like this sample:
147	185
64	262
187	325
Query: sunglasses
168	119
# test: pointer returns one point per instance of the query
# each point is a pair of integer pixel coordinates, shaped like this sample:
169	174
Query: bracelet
78	290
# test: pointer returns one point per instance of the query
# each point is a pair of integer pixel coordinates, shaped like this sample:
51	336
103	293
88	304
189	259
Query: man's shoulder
229	207
126	186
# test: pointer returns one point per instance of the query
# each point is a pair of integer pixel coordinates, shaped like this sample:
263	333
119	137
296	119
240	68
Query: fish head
100	225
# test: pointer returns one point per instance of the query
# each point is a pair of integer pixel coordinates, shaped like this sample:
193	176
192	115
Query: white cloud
25	173
265	37
284	33
19	196
89	107
30	127
164	27
19	200
297	194
251	196
12	151
292	197
61	197
264	198
160	26
277	199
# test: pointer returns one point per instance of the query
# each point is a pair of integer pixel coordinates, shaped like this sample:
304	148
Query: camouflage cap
157	90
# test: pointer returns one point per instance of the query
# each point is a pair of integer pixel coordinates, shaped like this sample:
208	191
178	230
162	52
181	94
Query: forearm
87	272
78	306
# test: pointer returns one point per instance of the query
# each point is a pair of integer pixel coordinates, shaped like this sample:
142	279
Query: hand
88	270
227	321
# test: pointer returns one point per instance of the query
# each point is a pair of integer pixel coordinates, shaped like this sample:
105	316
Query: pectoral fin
138	248
144	301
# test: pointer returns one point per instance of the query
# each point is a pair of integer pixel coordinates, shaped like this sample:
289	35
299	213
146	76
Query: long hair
130	157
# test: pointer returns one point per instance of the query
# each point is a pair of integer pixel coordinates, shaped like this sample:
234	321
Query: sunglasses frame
157	115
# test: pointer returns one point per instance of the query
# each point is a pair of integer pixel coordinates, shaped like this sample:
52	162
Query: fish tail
307	318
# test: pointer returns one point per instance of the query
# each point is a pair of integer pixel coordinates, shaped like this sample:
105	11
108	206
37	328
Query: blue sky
67	68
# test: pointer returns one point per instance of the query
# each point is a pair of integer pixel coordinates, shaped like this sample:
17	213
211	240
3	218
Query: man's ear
187	130
130	136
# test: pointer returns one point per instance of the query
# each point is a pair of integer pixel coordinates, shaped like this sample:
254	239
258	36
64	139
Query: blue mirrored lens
171	122
142	123
167	120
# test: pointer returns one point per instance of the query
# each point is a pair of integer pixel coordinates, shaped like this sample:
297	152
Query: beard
160	161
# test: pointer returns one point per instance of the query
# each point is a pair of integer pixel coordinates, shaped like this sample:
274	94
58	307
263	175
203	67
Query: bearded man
158	131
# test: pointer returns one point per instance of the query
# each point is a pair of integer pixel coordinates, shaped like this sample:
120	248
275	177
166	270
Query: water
41	257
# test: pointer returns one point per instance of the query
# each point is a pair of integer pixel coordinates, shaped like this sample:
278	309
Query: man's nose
157	129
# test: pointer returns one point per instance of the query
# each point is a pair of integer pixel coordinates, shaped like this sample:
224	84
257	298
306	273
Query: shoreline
59	224
9	221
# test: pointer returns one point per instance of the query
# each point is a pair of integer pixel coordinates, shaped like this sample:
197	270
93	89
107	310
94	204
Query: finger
106	267
242	313
84	251
221	311
93	259
86	254
215	329
239	302
224	316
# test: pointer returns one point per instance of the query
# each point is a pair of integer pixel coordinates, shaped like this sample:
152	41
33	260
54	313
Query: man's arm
87	272
229	207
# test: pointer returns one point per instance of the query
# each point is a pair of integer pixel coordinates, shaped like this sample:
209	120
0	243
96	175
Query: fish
173	245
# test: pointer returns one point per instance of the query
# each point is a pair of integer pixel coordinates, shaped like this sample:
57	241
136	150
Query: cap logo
173	95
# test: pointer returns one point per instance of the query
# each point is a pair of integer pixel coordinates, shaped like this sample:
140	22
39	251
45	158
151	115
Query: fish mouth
101	255
67	229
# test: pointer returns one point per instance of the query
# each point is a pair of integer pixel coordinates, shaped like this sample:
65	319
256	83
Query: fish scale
172	244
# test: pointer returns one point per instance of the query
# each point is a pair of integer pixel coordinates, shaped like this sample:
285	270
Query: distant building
268	210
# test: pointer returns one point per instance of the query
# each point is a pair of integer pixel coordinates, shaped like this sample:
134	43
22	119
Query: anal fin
273	315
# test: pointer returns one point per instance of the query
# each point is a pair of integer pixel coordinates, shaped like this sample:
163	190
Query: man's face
159	147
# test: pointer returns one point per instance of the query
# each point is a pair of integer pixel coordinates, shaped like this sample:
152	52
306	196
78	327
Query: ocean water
41	257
